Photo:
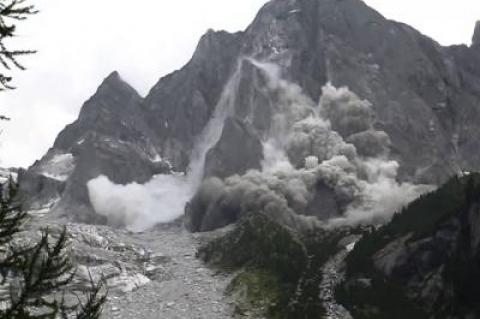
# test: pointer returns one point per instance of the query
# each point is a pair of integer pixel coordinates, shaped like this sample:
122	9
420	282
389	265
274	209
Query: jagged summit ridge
113	84
424	96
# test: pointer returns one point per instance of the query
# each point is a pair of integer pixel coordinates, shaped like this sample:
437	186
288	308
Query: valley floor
187	290
332	276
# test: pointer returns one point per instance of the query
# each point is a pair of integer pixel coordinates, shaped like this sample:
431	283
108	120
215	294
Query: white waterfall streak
162	199
331	143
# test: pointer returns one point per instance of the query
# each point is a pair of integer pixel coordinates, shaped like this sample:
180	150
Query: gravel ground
332	276
187	288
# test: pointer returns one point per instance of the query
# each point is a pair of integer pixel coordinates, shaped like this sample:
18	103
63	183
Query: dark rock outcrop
476	35
425	263
181	104
39	191
424	95
109	138
238	150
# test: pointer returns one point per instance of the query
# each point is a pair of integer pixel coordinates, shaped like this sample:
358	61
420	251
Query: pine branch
92	308
38	273
15	10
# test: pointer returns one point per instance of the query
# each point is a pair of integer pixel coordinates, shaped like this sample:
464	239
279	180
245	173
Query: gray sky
144	40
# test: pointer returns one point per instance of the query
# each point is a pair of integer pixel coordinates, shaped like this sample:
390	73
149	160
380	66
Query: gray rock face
181	104
238	150
476	34
424	97
428	257
109	138
420	92
349	44
39	190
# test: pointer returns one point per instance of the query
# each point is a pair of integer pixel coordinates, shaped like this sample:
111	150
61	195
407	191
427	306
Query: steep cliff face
263	111
228	157
424	98
181	104
419	90
110	137
413	83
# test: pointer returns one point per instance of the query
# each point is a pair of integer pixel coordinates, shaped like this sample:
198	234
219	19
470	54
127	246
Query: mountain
426	267
110	137
424	97
305	132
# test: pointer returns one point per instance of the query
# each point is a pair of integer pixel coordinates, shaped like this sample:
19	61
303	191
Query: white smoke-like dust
333	143
163	198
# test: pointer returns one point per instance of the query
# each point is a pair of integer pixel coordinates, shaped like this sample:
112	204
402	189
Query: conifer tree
38	274
11	12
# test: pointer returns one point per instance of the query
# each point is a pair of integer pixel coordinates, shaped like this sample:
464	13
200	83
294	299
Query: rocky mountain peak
213	42
114	83
113	95
113	76
476	34
250	109
403	74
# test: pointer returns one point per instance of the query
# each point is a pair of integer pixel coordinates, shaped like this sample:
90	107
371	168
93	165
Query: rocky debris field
149	275
332	276
180	285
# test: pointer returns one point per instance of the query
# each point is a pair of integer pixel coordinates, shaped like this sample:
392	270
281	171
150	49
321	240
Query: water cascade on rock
163	198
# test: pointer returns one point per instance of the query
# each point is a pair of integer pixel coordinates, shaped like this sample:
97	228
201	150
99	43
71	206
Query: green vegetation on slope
280	270
437	235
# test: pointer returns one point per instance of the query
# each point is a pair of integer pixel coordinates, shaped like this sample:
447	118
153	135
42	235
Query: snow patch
61	178
62	158
59	167
45	209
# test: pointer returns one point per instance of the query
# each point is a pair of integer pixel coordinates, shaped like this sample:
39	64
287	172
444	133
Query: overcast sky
81	41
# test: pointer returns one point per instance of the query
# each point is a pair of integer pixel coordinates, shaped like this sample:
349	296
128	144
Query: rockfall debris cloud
332	143
163	198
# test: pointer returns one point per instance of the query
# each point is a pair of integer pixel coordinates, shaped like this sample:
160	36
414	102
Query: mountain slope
424	98
410	80
110	138
425	263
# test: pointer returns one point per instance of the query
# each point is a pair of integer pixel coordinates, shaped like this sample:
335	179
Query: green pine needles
11	11
37	274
